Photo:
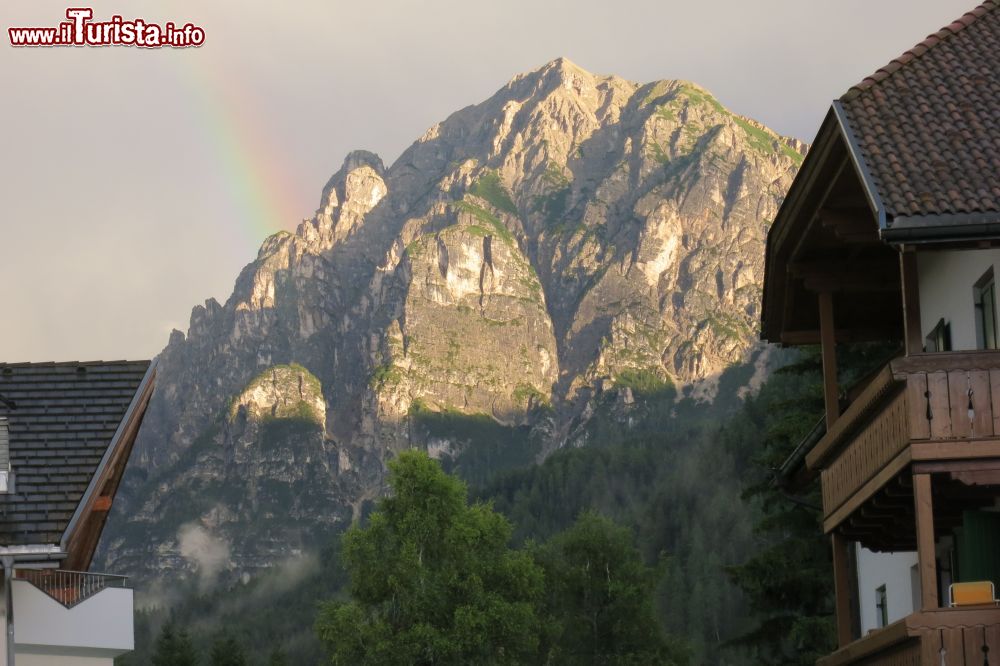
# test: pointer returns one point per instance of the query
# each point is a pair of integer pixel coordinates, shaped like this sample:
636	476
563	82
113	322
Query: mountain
575	243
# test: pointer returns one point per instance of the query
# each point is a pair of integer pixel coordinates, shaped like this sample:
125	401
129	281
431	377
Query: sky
136	183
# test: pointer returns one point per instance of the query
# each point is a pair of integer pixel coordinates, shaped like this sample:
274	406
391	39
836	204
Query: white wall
51	659
891	570
946	279
99	626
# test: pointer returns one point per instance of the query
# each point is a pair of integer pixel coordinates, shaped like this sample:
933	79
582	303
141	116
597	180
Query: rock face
571	234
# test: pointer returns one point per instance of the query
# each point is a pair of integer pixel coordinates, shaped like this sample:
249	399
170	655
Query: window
984	295
881	606
939	339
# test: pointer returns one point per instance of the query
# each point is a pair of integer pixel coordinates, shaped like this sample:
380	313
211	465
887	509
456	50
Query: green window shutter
978	546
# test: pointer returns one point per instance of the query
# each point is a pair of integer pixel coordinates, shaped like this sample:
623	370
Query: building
66	432
891	231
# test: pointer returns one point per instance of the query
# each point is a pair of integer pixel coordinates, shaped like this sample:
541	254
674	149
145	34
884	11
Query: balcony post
926	558
842	588
827	336
911	302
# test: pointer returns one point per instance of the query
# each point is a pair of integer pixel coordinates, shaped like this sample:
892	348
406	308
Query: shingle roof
64	419
928	123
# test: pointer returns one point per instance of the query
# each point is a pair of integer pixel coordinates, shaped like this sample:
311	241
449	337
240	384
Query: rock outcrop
571	234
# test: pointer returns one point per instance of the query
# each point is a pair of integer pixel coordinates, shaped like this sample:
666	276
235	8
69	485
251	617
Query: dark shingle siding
65	419
4	444
928	124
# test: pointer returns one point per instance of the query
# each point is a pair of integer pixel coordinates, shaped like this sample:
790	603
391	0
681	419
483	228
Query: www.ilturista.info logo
79	30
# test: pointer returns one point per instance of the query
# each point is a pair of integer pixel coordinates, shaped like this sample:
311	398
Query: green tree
173	647
599	596
277	658
226	651
789	580
433	580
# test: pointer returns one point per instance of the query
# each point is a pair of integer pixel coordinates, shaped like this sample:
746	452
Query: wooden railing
954	404
957	637
945	637
874	446
928	397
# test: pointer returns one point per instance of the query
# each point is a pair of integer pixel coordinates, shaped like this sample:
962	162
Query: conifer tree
173	647
227	651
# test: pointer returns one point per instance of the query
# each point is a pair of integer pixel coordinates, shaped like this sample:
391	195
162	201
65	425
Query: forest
707	553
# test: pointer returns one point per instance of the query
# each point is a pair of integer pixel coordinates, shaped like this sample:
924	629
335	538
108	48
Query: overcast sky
136	183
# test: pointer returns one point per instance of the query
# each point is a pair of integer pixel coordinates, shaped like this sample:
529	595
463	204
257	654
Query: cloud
265	586
208	554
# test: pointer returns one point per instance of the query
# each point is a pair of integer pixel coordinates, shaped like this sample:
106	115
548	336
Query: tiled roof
64	418
928	123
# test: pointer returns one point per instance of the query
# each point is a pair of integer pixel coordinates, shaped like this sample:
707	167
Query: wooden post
911	302
842	588
927	561
831	394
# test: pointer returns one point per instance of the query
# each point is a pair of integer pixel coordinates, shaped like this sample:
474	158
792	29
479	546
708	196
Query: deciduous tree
433	580
599	598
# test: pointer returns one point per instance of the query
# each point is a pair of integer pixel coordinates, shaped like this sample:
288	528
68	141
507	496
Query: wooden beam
872	644
965	465
911	303
813	217
849	281
82	541
981	477
102	503
927	561
797	338
946	618
841	578
946	361
849	220
831	394
967	449
860	275
886	501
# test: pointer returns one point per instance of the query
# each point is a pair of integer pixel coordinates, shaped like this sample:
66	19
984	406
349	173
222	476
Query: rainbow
258	181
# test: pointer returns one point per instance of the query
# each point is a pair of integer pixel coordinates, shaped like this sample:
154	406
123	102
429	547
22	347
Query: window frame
939	339
882	606
985	304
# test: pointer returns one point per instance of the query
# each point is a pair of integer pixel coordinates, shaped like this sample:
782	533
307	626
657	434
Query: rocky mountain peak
560	73
357	187
571	238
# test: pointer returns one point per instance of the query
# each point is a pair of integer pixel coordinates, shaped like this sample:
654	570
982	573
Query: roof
909	155
62	427
927	126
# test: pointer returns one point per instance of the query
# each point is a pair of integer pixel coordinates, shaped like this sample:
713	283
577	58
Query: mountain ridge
571	238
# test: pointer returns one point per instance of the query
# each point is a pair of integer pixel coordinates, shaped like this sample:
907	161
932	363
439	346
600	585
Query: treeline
734	570
434	580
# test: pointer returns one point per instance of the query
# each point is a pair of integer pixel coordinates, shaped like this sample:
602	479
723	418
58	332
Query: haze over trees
435	581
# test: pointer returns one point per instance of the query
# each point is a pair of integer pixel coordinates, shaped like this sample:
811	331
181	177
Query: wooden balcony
928	407
918	640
